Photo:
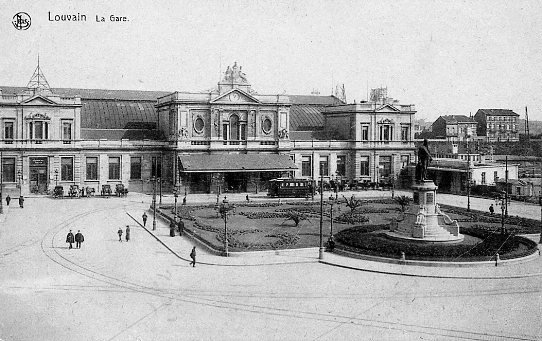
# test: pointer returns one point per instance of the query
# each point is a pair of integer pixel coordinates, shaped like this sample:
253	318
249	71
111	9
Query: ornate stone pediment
386	121
38	100
236	96
37	116
387	108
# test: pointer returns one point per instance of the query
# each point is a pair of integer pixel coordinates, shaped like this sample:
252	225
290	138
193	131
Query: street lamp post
503	203
331	202
56	177
321	249
540	203
506	190
175	194
468	175
153	203
224	209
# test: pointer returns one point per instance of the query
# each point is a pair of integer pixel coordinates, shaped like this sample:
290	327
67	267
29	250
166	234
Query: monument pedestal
425	221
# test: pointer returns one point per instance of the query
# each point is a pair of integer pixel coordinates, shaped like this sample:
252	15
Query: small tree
403	201
296	217
352	203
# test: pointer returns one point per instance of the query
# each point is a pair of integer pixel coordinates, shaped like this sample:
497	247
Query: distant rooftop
497	112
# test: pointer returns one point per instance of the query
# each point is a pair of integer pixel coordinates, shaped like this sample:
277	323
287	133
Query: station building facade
227	139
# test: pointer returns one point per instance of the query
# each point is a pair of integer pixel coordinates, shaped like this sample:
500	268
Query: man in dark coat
119	232
79	239
424	158
144	219
21	201
70	239
193	256
8	199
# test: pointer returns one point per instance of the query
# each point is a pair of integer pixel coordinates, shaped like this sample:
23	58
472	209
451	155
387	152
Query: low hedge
379	244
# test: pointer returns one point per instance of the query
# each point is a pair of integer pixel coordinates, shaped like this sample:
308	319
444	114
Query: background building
454	128
497	124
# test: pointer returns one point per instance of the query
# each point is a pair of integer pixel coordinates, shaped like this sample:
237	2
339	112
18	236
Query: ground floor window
156	167
8	169
114	168
306	166
66	168
341	165
405	160
92	168
364	166
324	166
385	166
135	168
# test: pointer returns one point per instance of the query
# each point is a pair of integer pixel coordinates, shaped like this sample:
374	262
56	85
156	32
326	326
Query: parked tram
287	187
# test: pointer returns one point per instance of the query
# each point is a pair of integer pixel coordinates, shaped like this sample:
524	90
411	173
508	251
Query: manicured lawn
266	226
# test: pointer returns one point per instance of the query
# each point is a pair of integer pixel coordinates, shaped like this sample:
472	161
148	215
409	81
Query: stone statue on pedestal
424	158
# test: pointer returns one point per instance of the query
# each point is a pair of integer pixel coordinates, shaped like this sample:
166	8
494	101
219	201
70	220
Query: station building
230	138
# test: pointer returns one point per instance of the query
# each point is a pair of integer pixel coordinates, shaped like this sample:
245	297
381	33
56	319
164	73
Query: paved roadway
139	290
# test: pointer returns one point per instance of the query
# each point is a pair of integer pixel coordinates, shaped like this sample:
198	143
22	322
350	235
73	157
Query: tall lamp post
331	202
321	249
56	177
224	210
468	174
176	195
503	204
153	179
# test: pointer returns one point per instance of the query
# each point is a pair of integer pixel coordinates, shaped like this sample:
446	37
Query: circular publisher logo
21	21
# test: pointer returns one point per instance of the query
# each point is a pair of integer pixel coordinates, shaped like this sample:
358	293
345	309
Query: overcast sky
446	57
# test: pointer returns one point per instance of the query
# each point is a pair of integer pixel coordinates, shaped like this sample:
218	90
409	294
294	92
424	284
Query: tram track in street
199	298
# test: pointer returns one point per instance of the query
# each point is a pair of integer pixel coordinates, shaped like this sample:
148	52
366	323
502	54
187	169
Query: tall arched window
234	127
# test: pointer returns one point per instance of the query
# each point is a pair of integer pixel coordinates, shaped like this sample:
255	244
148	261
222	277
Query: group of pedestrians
21	201
77	239
127	235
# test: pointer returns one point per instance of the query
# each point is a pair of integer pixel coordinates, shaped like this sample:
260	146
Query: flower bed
352	218
378	244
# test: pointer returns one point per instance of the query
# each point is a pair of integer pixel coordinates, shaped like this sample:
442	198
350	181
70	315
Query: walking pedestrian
144	219
172	229
127	232
21	201
248	199
491	209
193	256
70	239
120	234
184	200
8	199
79	239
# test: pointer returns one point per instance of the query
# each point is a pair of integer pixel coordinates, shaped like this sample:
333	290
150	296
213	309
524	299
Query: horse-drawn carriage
74	191
120	190
58	192
106	190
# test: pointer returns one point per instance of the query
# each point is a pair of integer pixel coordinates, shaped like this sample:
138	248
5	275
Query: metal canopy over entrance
232	172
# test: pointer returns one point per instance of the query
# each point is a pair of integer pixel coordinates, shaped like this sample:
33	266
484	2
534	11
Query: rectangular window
38	130
341	165
224	131
404	134
92	168
8	131
405	160
66	131
306	166
385	166
243	128
8	169
66	168
114	168
135	168
324	166
483	178
364	169
495	176
156	167
386	133
365	133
